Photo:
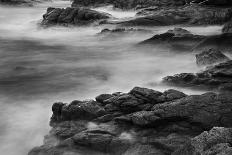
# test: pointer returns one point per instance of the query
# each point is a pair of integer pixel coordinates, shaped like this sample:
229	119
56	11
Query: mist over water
42	66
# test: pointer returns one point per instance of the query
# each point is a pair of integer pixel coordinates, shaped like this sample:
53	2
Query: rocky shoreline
145	121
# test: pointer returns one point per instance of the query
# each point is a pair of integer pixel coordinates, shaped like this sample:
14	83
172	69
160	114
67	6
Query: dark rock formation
73	16
210	57
216	141
220	42
128	4
227	27
143	121
182	40
213	77
187	15
177	39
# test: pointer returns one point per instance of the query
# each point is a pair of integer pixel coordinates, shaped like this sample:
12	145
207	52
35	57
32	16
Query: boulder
72	16
210	57
216	141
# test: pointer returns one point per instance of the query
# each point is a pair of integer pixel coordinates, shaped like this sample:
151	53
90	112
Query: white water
42	66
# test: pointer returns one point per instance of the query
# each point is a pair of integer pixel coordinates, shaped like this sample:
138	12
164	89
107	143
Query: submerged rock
210	57
72	16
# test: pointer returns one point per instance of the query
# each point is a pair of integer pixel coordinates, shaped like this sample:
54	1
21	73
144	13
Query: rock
220	42
212	77
171	95
101	98
216	141
132	4
177	39
147	95
210	57
207	110
77	110
143	118
182	15
143	150
168	126
227	28
180	39
73	16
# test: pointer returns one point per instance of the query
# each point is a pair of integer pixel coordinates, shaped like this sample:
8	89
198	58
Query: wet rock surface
216	76
72	16
142	121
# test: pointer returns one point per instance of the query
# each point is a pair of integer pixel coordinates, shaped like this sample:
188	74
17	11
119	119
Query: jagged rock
74	16
216	141
212	77
210	57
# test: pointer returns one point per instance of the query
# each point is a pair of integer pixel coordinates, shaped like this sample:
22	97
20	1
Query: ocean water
41	66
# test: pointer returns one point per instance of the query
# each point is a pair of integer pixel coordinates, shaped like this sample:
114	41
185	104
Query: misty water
41	66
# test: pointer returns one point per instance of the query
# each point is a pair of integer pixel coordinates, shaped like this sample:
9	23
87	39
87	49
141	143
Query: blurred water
42	66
